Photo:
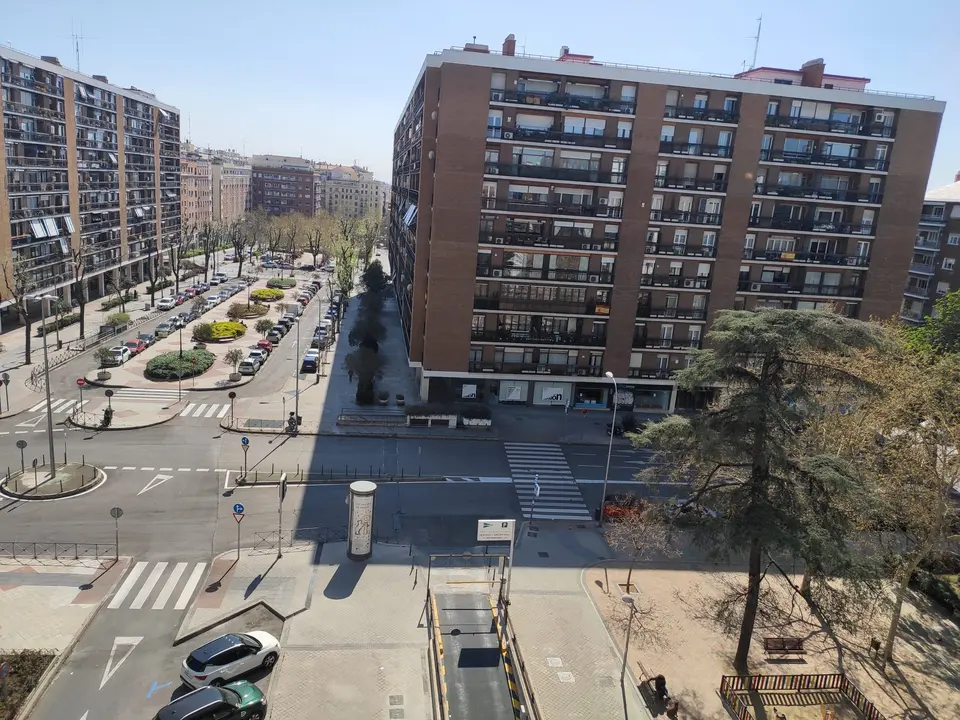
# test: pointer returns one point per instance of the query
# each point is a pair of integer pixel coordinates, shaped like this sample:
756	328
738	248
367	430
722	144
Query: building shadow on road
344	580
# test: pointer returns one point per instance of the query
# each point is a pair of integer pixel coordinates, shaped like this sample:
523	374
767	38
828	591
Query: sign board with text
495	530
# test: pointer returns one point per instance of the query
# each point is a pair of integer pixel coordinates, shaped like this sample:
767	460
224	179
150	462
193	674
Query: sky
328	80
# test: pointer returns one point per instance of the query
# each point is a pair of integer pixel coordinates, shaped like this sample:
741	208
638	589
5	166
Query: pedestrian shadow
344	581
255	583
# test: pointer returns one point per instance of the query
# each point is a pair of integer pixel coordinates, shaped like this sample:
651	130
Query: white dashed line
183	469
109	467
128	467
165	469
21	432
36	431
146	468
5	433
203	469
220	470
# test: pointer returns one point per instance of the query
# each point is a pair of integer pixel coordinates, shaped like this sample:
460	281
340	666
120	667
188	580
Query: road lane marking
211	411
146	468
188	589
128	467
21	432
154	688
166	469
155	482
203	469
109	467
223	412
199	412
187	409
183	469
127	585
169	587
110	669
148	586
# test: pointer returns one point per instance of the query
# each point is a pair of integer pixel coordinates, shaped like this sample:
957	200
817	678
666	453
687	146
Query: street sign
6	377
21	444
232	395
495	530
283	489
81	382
116	513
108	393
238	517
536	489
34	462
4	670
244	440
238	509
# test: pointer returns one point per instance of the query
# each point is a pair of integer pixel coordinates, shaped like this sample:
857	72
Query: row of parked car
285	323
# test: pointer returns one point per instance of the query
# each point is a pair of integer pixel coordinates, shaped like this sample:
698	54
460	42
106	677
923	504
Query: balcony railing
552	207
105	205
101	225
806	257
912	315
836	161
33	137
702	114
35	162
133	184
33	110
923	268
933	219
804	225
495	302
555	173
916	291
96	144
44	187
48	211
674	281
567	242
558	137
564	101
672	313
841	127
667	343
138	149
30	84
649	373
684	217
536	369
603	278
685	183
680	148
140	131
93	102
799	289
94	122
39	261
926	244
814	193
683	250
538	338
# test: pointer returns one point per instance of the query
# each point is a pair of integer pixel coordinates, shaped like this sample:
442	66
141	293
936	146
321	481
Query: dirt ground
675	634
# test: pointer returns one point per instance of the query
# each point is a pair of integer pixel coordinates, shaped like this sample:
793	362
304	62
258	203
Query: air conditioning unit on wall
508	136
498	273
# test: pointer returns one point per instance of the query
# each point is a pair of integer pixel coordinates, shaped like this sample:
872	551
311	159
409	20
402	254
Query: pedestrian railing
328	473
372	418
733	686
298	538
18	550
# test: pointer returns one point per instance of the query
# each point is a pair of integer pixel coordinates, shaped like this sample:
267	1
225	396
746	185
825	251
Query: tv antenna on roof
756	42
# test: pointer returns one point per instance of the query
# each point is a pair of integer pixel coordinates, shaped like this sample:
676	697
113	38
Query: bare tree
642	532
370	232
79	287
275	239
115	284
297	232
237	235
208	239
154	274
18	287
318	235
176	263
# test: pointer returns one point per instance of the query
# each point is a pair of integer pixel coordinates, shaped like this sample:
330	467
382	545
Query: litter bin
146	306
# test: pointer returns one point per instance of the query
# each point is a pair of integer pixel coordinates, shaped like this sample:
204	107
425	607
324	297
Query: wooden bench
783	646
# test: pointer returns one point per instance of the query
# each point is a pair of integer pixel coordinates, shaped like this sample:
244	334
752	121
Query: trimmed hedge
267	294
215	331
286	283
168	366
241	310
61	322
116	319
116	302
939	589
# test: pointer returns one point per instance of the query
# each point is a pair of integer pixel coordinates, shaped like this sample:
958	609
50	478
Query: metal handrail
19	550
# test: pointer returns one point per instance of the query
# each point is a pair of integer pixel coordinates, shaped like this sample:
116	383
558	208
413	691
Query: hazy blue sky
329	79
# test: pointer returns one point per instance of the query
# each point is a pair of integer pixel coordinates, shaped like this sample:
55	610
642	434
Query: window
781	244
656	202
943	287
953	239
495	123
797	146
703	270
725	139
624	128
749	242
663	362
68	222
781	81
773	108
700	101
51	227
948	264
661	171
679	237
666	133
37	228
709	239
730	104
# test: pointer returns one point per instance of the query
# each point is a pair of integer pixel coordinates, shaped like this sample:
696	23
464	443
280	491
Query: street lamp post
46	376
631	602
296	360
613	427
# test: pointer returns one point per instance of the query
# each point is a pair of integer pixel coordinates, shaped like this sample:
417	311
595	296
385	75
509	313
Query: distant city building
89	167
230	183
351	191
281	185
935	264
196	198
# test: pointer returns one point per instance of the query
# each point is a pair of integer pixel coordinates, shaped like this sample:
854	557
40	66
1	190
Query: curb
101	383
101	474
73	423
13	414
53	669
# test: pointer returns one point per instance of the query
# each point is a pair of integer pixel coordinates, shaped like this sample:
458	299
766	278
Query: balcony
565	242
94	206
683	250
140	132
135	184
39	261
834	161
923	268
34	162
700	114
917	291
558	137
555	173
640	341
138	149
685	183
564	101
546	207
841	127
99	185
806	257
684	217
96	144
912	315
649	373
671	313
495	302
33	137
668	147
932	219
38	212
19	188
535	369
602	278
30	84
674	281
33	111
804	225
101	225
93	102
85	121
926	244
799	289
538	338
814	193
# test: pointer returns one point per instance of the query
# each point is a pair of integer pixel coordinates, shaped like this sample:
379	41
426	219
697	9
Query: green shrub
227	329
120	318
267	294
937	589
431	409
116	302
60	322
242	310
203	332
170	365
286	283
473	411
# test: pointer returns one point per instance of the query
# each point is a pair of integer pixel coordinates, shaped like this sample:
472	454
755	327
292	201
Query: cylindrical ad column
360	535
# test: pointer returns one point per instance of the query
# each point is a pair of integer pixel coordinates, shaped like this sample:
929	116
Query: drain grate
396	699
396	713
543	554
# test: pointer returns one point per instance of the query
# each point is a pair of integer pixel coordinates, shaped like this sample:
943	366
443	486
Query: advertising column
360	527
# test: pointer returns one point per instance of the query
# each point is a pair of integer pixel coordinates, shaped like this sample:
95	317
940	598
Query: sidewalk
126	416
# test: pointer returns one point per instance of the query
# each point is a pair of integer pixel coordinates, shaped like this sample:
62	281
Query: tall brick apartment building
557	218
282	185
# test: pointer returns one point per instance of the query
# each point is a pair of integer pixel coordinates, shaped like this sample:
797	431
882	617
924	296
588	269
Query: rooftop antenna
474	39
756	42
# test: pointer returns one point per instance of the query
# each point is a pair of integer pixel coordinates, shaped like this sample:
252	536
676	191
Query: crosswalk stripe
223	412
211	411
187	409
188	589
148	586
170	586
59	405
544	464
127	585
199	410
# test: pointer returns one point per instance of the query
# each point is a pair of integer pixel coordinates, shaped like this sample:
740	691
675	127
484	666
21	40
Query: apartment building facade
555	219
230	184
281	185
90	179
351	191
935	264
196	196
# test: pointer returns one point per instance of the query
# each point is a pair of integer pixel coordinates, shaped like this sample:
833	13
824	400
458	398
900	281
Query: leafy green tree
940	332
366	366
745	456
374	279
264	326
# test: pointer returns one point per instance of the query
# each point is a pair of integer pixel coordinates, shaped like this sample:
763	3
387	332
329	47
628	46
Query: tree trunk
900	594
315	261
81	306
240	264
27	327
805	583
750	608
633	563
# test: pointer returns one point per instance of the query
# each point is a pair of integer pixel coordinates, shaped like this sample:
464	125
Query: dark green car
240	700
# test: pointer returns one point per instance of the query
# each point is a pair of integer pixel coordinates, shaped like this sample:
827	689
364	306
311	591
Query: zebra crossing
544	464
60	406
151	588
205	410
166	395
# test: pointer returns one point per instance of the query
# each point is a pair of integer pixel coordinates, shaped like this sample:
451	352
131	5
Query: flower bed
170	366
62	322
285	283
267	294
216	331
242	310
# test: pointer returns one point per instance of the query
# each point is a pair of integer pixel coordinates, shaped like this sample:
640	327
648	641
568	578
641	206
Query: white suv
229	656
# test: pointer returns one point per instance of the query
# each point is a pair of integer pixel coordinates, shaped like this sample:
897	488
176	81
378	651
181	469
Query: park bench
783	646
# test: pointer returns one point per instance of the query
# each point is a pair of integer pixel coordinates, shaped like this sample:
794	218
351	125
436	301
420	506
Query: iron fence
303	538
732	686
345	473
17	550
